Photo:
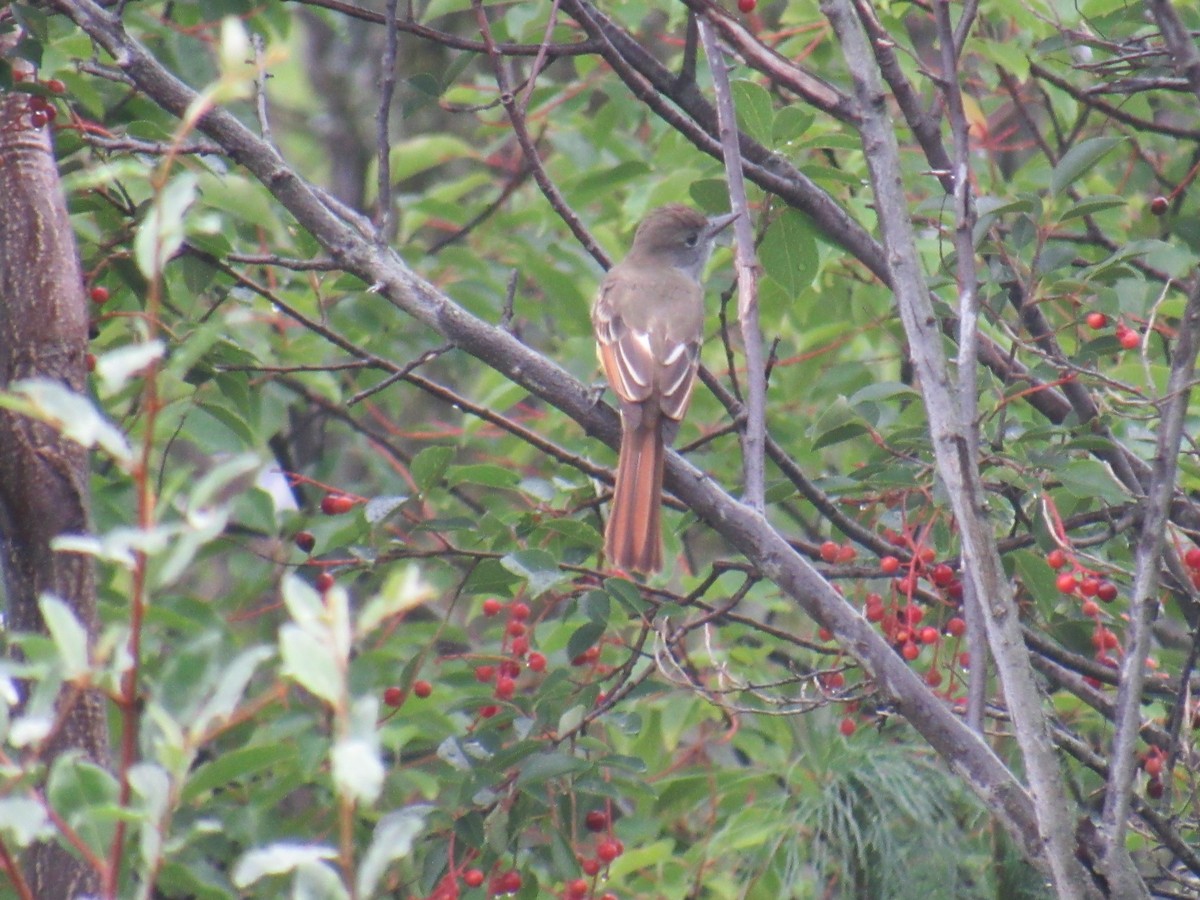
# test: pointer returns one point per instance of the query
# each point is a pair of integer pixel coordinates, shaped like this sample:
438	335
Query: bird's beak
717	224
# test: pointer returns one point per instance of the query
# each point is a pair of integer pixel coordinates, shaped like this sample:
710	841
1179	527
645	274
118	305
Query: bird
649	322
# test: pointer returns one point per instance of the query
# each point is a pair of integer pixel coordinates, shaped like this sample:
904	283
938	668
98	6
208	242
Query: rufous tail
633	538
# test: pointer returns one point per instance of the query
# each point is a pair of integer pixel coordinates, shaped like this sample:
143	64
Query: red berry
509	882
825	634
889	565
577	889
91	362
473	878
393	696
933	678
590	655
484	674
1153	765
589	866
910	651
336	504
1089	587
505	688
1090	608
323	581
912	614
847	726
1056	559
833	680
1096	320
422	689
305	541
1107	591
846	554
596	820
1159	206
510	667
1192	558
55	86
515	628
1129	339
607	851
1066	583
1154	788
747	6
519	611
874	612
964	659
488	711
942	575
829	551
929	635
99	294
520	646
956	627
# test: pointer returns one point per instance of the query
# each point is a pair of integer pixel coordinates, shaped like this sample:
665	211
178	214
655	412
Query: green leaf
161	233
429	465
379	508
392	839
73	415
584	637
70	637
235	675
1091	205
788	252
486	475
543	766
403	589
790	124
420	154
24	821
308	661
1076	162
115	368
357	767
278	859
1088	479
235	764
755	114
537	567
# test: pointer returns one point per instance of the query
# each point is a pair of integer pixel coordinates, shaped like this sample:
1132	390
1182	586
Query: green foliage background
266	759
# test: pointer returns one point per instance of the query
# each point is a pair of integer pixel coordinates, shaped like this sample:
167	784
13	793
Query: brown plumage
649	321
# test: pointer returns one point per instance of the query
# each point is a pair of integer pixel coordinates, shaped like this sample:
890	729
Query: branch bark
44	488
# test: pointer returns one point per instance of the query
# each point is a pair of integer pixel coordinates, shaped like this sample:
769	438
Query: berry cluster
39	108
1127	337
1089	586
1151	763
904	621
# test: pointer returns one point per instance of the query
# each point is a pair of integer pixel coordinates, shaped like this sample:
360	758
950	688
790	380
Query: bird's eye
691	239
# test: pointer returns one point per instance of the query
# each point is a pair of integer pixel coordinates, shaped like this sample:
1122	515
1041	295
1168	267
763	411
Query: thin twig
754	434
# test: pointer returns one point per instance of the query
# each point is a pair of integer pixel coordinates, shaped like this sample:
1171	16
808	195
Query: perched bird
649	322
